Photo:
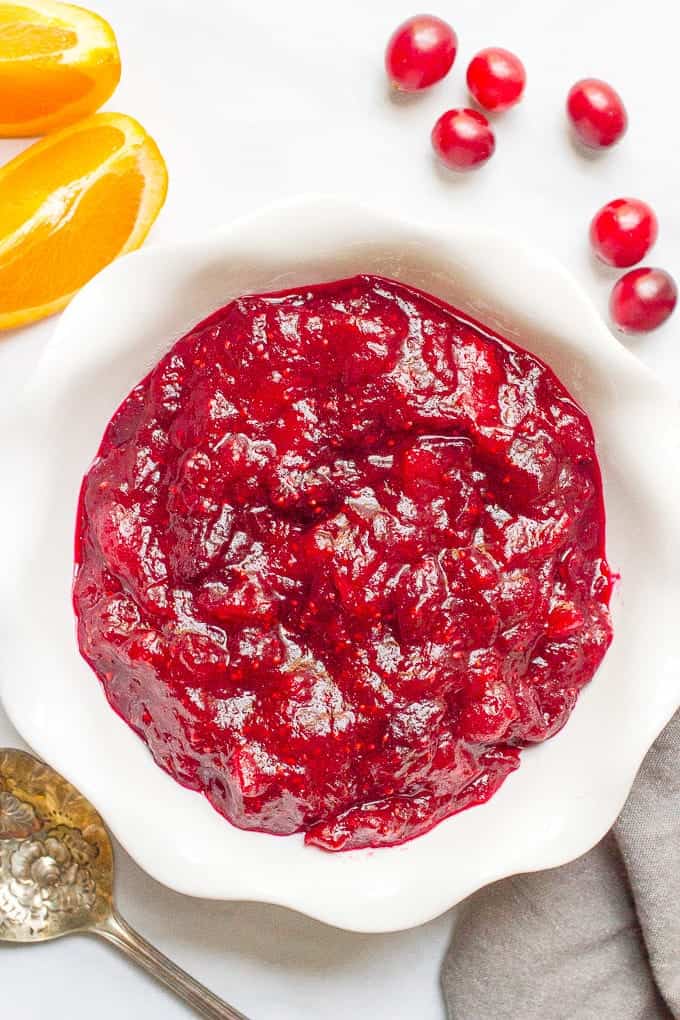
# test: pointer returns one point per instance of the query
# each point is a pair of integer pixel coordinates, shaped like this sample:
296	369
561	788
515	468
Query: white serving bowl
567	792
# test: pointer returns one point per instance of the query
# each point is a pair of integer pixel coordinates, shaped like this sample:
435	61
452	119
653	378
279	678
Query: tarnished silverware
56	875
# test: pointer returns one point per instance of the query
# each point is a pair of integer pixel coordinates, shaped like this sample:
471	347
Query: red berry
597	113
643	299
496	78
623	231
463	139
420	52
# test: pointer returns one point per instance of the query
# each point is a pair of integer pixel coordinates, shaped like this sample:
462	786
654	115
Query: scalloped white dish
567	792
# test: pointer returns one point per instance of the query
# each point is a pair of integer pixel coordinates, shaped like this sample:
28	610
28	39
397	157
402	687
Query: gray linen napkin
598	939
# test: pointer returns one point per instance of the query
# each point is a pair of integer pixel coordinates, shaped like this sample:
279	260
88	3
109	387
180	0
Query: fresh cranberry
643	299
597	113
623	231
420	52
463	139
496	78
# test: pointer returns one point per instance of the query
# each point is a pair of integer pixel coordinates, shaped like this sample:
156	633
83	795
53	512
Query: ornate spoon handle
117	931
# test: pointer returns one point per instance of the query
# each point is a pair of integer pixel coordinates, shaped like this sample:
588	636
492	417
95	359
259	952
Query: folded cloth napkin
598	939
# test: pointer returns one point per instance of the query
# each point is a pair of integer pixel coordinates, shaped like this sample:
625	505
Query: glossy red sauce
340	557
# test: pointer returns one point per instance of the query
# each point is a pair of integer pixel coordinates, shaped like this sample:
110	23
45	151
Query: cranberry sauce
340	557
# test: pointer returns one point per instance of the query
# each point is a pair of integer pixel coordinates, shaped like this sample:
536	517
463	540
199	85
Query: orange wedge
57	63
68	206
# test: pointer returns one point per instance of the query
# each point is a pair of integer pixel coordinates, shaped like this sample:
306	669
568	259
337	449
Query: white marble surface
253	100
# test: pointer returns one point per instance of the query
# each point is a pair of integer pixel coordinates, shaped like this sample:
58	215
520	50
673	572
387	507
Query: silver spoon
56	875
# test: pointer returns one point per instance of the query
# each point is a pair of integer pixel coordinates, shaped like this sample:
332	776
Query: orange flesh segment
68	206
65	264
27	33
30	92
57	63
25	187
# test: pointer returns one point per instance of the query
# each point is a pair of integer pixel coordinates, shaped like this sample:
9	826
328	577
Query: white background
253	100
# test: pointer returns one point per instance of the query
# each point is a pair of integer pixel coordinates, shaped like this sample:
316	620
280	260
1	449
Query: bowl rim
399	902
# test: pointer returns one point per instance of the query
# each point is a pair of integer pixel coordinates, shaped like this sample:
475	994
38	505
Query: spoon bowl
56	874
